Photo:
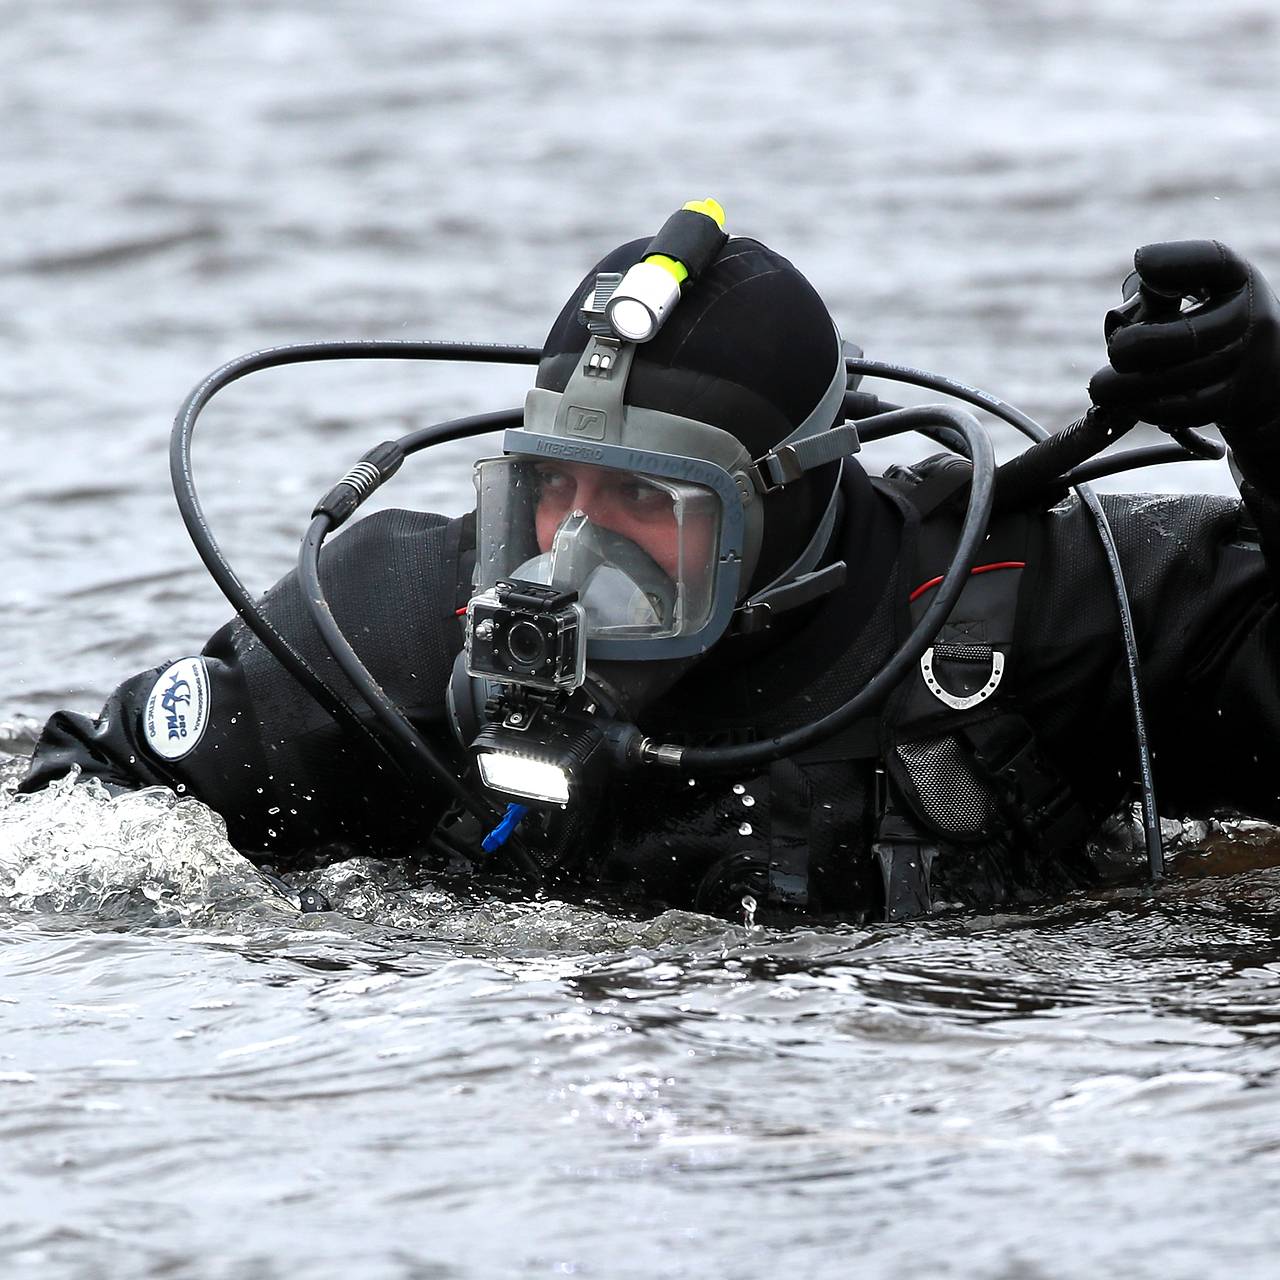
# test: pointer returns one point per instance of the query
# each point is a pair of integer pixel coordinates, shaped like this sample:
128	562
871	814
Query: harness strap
1027	794
905	857
790	811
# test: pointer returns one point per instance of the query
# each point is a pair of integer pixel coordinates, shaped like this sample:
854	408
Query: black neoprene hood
750	347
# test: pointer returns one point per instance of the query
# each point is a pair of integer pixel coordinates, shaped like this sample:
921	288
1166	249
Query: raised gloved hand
1217	362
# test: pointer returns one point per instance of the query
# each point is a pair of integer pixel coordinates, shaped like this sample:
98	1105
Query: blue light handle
500	834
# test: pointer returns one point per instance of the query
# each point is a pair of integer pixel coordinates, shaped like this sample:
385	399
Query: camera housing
528	634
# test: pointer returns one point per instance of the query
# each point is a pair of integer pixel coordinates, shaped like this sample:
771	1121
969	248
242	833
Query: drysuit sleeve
233	728
1220	731
1258	461
1202	588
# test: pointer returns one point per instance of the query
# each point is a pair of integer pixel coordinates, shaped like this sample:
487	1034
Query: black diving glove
1218	362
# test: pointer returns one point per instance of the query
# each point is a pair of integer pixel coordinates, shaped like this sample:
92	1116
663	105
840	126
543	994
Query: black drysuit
292	786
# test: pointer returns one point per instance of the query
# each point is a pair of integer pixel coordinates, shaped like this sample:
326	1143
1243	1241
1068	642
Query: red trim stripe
977	568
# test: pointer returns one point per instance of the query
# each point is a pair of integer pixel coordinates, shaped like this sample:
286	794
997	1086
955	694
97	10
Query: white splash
145	855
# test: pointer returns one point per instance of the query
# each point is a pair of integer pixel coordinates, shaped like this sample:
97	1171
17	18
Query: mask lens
640	550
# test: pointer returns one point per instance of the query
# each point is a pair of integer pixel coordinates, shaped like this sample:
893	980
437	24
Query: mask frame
736	532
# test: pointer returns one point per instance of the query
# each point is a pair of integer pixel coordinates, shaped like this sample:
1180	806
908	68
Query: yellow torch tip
712	208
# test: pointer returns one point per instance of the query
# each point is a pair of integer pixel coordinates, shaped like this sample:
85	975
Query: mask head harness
655	518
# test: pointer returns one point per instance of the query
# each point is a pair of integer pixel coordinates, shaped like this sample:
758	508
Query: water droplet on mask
748	801
180	788
745	829
275	808
738	788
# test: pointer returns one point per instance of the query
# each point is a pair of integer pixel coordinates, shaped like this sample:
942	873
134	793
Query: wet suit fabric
290	784
271	760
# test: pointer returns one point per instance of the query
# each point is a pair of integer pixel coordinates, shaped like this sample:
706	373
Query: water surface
198	1080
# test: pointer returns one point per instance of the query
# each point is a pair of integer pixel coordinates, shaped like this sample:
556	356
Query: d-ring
952	700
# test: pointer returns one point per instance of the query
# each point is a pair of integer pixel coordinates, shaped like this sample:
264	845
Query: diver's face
625	503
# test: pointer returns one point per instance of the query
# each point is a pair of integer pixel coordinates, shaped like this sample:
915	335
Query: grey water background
197	1081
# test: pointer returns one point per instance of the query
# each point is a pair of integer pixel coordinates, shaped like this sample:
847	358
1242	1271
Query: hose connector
373	470
663	753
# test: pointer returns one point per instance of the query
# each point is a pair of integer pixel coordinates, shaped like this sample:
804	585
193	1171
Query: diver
679	537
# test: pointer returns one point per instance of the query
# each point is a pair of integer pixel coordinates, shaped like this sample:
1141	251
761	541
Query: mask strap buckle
788	462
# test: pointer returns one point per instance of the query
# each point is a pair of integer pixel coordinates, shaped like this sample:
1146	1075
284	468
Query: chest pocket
944	785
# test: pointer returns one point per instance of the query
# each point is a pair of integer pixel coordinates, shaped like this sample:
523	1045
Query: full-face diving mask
654	545
653	519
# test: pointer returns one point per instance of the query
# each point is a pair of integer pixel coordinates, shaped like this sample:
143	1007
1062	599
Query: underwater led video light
542	781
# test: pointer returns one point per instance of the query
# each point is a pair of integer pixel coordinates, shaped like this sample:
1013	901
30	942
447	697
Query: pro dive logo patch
177	709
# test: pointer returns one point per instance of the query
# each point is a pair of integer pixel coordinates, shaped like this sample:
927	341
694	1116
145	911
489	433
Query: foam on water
146	856
152	857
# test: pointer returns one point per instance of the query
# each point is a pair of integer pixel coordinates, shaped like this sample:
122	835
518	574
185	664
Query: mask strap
824	413
798	584
814	443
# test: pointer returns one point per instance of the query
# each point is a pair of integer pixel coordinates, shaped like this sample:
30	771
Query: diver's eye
644	496
553	482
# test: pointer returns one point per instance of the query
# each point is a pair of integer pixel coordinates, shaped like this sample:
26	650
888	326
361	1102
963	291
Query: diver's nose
588	498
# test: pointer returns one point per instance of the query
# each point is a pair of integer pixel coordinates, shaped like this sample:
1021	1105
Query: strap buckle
776	470
906	868
756	613
802	451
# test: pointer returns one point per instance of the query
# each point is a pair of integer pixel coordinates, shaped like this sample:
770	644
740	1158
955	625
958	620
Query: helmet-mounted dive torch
689	242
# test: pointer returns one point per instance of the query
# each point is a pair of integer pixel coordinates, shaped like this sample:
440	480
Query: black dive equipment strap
904	855
690	238
957	752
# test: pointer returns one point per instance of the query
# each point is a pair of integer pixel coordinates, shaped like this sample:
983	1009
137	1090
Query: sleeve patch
176	713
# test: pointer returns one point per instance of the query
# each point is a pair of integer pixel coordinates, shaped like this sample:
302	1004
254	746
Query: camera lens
526	644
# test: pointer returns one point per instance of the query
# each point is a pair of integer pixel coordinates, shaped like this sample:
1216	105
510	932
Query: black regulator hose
1024	479
877	690
1151	455
1044	473
407	758
376	467
189	506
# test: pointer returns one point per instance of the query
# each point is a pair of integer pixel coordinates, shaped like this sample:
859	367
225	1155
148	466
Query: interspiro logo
177	709
562	450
